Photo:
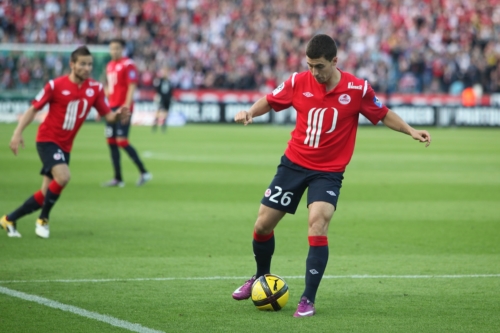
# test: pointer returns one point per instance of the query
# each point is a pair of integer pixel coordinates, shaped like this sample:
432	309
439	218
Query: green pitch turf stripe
78	311
456	276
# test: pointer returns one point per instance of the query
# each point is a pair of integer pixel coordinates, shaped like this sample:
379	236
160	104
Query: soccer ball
270	293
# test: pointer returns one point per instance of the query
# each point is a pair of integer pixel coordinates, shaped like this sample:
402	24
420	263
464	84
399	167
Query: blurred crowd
428	46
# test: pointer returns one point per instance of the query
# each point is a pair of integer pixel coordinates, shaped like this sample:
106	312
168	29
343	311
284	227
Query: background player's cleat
114	183
42	228
305	308
245	291
145	177
9	226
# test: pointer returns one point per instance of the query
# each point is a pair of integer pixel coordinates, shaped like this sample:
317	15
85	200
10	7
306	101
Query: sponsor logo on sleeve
132	75
278	89
351	85
344	99
377	102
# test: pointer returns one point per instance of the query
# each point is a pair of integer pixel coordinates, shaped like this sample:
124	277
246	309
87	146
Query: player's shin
53	193
315	265
32	204
115	158
133	154
263	249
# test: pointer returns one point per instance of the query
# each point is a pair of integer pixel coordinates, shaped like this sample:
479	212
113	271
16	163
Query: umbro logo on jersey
65	92
331	193
350	85
308	94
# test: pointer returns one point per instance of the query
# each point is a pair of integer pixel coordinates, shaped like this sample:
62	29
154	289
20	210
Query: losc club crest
268	193
89	92
57	156
344	99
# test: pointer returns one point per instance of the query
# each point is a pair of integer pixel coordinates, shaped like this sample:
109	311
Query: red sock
55	188
39	197
262	238
318	240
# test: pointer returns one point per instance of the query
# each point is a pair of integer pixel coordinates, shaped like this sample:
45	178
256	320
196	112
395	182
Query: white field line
79	311
455	276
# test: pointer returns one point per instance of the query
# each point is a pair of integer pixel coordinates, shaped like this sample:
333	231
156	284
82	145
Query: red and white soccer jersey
120	74
325	131
69	105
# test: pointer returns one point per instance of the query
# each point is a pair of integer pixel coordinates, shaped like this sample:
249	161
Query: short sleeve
132	76
44	96
100	103
281	97
371	107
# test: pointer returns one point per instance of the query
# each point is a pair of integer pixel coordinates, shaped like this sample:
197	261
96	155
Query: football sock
263	249
115	158
164	125
315	265
51	197
29	206
155	124
133	154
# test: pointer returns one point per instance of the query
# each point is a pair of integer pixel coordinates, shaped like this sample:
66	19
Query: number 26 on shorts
277	197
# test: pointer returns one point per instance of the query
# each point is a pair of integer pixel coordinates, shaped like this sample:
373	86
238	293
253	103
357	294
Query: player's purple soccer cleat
305	308
245	291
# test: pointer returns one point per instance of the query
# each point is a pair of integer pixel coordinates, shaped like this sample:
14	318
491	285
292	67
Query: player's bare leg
263	247
53	188
320	214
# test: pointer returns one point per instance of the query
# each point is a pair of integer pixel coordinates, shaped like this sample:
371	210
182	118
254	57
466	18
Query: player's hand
17	139
422	136
243	117
123	114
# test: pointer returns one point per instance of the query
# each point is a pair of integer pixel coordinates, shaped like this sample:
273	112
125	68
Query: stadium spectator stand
431	46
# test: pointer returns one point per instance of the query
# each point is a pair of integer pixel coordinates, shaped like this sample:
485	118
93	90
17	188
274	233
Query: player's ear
334	61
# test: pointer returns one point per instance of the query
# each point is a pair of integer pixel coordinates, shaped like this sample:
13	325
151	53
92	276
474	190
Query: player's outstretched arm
122	114
393	121
257	109
17	138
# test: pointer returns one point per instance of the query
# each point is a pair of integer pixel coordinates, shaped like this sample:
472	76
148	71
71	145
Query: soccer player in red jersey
121	76
70	99
328	102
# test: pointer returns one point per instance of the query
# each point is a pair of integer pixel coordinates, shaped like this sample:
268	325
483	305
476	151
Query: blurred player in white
70	99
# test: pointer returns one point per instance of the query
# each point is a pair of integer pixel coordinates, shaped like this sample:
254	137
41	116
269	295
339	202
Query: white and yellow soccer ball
270	293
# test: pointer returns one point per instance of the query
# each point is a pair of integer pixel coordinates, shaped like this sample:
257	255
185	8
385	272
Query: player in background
70	99
328	102
121	76
163	97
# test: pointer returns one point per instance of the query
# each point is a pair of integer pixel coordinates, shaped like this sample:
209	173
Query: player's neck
75	79
334	80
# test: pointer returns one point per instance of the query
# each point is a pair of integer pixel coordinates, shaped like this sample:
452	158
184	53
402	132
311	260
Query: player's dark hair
321	46
80	51
119	41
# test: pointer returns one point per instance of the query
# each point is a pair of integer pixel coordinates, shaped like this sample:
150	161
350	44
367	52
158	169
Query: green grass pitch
419	226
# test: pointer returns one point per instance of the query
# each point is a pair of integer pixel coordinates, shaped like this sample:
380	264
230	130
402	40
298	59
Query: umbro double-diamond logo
331	193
